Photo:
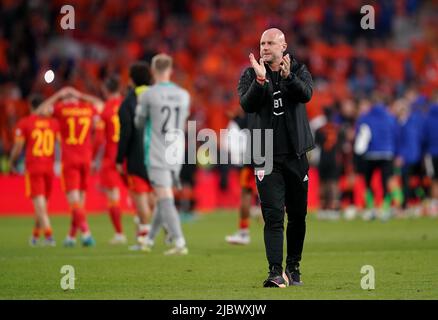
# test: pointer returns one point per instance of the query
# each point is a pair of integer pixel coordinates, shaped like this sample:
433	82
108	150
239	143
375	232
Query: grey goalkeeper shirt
162	113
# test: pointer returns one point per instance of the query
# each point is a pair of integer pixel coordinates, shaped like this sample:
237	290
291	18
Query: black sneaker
293	275
276	279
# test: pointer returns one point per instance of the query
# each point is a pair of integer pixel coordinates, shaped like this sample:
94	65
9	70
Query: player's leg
82	223
334	189
163	181
242	235
40	206
404	172
433	210
82	198
167	210
334	197
74	201
70	185
433	207
48	232
115	213
369	168
140	192
245	209
155	227
84	173
347	195
39	187
156	224
186	194
75	191
247	184
388	186
143	211
419	192
109	179
151	203
31	189
36	232
322	213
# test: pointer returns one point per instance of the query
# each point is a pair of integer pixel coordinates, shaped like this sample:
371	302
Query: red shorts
38	184
75	176
247	179
109	176
138	184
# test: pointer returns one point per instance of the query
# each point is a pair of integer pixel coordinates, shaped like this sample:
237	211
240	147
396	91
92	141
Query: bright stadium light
49	76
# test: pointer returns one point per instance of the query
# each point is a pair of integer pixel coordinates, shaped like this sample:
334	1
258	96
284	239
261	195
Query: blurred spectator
431	146
329	138
409	152
347	119
376	140
362	82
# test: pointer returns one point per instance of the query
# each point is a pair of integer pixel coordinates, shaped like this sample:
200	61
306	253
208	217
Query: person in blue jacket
376	140
409	152
431	149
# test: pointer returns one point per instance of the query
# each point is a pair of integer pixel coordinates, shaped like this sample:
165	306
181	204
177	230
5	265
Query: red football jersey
39	134
75	122
110	118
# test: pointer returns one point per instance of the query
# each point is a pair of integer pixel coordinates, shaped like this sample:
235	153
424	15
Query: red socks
116	218
48	233
143	230
36	232
244	223
79	221
83	224
74	223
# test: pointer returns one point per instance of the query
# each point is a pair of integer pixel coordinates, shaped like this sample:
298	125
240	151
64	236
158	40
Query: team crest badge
260	174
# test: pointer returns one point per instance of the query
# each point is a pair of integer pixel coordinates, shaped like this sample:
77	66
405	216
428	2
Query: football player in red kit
75	113
109	138
37	133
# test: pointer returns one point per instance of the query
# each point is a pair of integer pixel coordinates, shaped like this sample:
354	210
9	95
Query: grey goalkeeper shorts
165	178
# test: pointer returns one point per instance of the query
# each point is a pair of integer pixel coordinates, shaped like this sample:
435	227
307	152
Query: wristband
261	79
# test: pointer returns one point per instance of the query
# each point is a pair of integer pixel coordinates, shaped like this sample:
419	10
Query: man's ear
284	47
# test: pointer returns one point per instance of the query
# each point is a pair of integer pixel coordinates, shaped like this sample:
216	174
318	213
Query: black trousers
386	167
409	191
286	186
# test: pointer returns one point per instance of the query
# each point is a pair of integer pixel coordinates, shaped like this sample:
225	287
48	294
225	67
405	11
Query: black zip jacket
257	101
131	139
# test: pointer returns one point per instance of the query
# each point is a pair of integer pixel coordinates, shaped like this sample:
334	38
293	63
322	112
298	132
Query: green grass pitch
404	254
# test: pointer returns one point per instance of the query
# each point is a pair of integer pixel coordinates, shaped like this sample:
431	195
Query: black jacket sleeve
251	93
126	124
299	84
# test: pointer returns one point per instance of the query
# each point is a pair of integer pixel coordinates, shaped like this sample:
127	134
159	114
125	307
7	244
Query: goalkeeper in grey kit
161	112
